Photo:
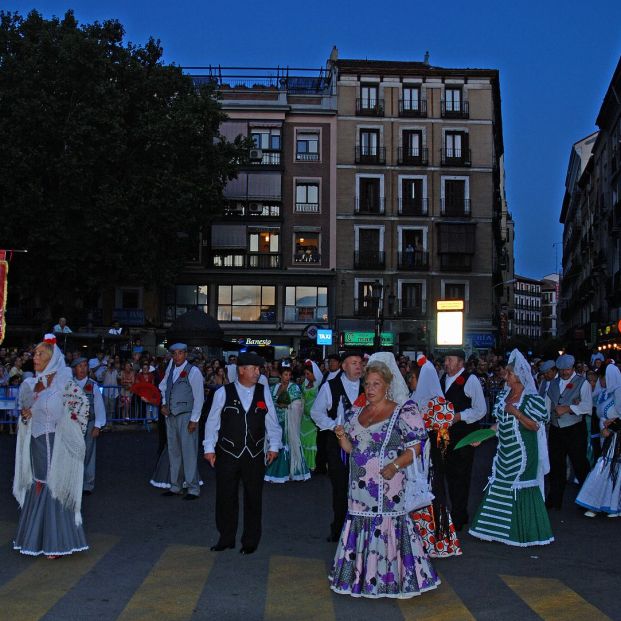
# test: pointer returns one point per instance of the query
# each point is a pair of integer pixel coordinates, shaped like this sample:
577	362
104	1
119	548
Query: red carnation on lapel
88	388
570	386
183	374
460	381
361	401
261	405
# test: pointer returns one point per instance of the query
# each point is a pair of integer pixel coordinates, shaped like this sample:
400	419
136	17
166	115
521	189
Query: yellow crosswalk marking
297	590
32	593
441	604
172	588
7	532
552	600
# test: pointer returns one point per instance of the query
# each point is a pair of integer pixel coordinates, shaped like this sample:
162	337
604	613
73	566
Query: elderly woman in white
49	459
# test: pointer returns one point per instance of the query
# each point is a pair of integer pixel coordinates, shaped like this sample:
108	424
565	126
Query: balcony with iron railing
369	206
408	156
243	260
370	155
459	158
413	260
370	107
251	210
307	208
308	257
364	307
454	109
415	311
455	208
413	206
269	159
369	259
413	108
456	262
306	157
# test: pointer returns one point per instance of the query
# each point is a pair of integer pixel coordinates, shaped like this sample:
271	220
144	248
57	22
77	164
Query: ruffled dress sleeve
410	424
294	392
534	407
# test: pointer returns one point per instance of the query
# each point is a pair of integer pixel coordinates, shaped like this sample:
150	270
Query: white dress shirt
197	382
273	429
585	405
100	410
473	390
323	402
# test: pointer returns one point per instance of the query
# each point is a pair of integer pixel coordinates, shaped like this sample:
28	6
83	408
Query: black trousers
566	442
339	478
458	468
229	472
321	462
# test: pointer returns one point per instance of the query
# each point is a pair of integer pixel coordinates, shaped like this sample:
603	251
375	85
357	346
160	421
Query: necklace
376	409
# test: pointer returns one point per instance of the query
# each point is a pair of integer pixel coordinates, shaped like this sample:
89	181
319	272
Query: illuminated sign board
450	305
324	337
365	339
256	342
450	324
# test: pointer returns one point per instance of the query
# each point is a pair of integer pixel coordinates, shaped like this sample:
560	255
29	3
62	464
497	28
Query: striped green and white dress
513	509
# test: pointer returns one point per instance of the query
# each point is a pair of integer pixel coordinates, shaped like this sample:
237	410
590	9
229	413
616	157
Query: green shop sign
365	339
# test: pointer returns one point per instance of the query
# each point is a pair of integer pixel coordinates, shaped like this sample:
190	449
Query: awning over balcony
228	236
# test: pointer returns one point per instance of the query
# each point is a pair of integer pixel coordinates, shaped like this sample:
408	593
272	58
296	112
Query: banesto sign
256	342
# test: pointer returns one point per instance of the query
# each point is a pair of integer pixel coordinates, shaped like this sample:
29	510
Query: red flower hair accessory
421	360
261	405
460	381
361	401
49	338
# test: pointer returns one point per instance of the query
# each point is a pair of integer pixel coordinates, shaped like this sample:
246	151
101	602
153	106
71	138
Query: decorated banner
4	273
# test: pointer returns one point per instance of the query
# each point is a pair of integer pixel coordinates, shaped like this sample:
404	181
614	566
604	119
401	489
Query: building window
306	304
369	102
307	247
411	99
369	150
456	246
307	197
369	247
452	99
454	291
268	140
412	152
246	303
412	299
263	241
412	252
413	201
370	199
456	150
182	298
455	198
307	147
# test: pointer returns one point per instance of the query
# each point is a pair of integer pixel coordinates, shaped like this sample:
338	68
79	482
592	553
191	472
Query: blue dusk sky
556	59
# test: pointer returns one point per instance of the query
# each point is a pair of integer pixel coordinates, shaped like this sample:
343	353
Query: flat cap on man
76	361
459	353
350	353
547	365
250	359
566	361
178	347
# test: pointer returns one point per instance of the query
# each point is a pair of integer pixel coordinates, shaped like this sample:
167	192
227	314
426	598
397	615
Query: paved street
150	559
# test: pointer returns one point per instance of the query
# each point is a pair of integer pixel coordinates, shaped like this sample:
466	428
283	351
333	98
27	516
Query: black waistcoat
456	395
337	390
242	430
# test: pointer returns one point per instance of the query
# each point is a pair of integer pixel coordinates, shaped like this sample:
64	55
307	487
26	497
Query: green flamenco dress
513	509
290	464
308	429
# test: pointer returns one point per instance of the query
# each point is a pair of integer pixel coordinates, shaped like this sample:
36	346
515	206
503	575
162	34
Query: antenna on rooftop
426	61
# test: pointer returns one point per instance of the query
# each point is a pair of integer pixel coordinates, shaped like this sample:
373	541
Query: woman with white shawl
380	553
601	492
513	509
49	459
434	522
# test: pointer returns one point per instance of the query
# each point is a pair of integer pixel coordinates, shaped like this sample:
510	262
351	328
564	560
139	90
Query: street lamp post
377	290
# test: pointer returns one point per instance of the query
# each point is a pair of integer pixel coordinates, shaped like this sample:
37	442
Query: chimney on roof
334	54
426	61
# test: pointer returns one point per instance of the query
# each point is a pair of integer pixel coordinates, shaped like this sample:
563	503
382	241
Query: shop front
609	339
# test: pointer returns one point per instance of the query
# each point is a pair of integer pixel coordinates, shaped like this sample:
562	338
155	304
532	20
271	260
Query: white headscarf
55	365
316	371
398	390
522	369
428	385
613	378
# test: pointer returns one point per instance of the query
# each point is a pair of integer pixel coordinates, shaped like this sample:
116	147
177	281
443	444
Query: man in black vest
321	461
465	393
241	414
334	397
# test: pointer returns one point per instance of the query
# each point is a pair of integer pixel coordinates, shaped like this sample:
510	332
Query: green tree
110	160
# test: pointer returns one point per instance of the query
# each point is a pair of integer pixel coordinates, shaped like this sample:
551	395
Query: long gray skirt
45	526
161	474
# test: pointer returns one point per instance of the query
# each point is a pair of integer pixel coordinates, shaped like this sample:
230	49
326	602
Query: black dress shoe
222	546
190	497
247	549
332	538
86	492
168	493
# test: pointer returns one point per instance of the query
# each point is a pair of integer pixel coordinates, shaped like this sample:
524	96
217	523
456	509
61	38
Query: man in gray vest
548	370
182	402
96	420
568	400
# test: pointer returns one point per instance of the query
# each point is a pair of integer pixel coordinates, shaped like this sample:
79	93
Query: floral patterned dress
380	553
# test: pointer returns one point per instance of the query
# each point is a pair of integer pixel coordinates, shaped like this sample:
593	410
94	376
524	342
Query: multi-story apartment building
591	215
420	199
266	268
549	304
527	305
